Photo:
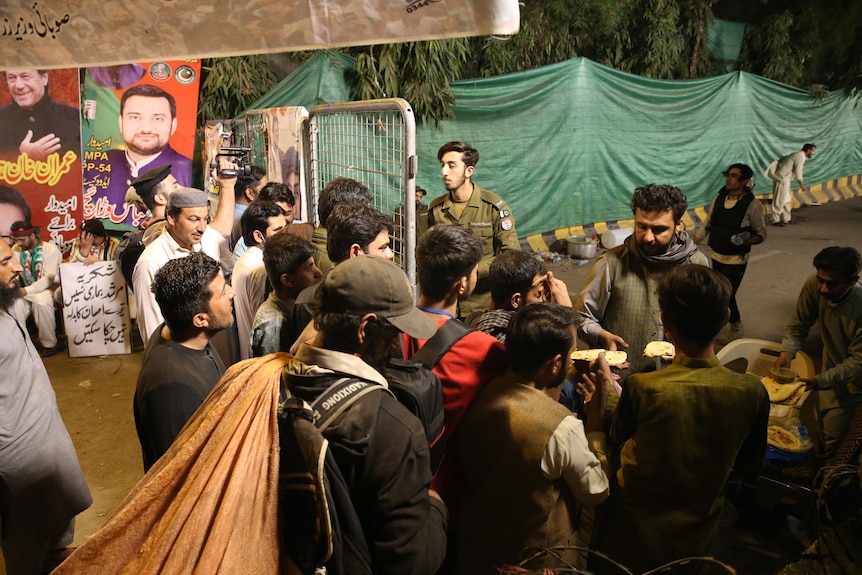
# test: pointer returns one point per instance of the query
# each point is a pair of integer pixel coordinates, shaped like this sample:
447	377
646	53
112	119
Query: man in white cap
187	232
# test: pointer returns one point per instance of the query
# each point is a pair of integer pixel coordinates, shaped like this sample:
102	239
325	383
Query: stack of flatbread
614	358
663	349
783	393
783	438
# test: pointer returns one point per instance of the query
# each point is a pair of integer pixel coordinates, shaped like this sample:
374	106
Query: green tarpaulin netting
566	144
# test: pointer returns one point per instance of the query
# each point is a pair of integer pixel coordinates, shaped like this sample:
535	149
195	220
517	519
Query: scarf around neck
679	251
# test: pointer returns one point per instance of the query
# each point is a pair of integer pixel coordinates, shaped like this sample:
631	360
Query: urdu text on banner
53	33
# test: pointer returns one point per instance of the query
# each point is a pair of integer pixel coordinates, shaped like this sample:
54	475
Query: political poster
40	148
281	139
136	117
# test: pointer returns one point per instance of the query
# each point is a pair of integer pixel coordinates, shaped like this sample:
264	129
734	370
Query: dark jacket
724	224
383	455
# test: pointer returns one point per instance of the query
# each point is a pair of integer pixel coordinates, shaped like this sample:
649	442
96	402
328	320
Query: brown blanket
209	505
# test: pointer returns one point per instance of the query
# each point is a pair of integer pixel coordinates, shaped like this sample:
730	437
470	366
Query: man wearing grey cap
381	448
151	190
187	232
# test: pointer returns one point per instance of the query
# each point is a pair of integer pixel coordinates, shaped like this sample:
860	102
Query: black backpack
420	390
317	521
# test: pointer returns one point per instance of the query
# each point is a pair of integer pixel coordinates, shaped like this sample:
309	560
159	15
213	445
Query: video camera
242	158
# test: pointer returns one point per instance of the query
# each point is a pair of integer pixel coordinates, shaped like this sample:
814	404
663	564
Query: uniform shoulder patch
506	224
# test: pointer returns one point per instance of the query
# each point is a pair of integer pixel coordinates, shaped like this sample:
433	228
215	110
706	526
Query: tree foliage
812	45
419	72
655	38
807	43
230	85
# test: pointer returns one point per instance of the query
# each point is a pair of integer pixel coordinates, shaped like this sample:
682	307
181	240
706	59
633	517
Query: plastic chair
757	356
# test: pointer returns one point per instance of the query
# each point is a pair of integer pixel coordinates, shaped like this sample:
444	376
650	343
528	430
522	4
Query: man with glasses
41	263
735	222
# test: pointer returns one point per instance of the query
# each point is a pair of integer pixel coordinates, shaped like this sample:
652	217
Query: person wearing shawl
618	305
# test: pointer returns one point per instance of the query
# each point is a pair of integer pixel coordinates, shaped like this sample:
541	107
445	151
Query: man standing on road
618	305
678	432
289	264
735	222
833	297
186	232
42	487
470	206
380	447
780	172
261	221
552	461
180	366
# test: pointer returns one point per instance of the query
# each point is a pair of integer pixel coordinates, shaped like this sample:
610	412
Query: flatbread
782	438
614	358
784	393
663	349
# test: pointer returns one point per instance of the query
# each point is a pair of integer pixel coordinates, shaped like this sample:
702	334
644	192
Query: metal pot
581	247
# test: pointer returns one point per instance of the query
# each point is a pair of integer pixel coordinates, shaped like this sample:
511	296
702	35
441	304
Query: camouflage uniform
491	219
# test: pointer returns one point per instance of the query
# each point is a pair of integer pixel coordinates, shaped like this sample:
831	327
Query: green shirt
680	431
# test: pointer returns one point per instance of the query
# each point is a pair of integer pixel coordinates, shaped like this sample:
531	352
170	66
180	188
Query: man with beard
187	233
42	487
180	366
832	297
380	447
470	206
148	119
618	306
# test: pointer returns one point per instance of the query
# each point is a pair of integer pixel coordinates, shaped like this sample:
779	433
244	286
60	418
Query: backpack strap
447	335
338	397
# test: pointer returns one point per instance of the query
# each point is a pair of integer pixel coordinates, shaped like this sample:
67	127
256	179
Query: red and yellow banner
40	152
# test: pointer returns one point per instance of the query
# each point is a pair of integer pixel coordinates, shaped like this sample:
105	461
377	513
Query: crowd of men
650	445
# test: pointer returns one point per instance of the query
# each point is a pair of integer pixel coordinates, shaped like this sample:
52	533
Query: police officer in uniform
470	206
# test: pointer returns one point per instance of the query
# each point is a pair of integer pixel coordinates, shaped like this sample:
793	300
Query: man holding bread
832	297
618	306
